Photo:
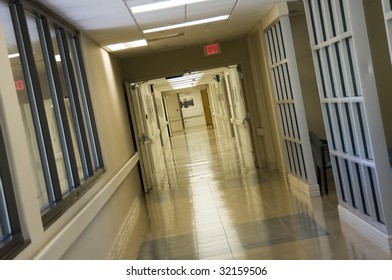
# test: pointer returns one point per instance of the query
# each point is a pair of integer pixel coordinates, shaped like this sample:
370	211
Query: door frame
144	165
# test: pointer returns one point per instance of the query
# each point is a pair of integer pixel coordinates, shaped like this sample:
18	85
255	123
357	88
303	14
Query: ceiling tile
91	14
204	34
134	3
160	18
167	44
209	9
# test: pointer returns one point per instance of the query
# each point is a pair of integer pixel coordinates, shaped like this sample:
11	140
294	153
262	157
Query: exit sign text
212	49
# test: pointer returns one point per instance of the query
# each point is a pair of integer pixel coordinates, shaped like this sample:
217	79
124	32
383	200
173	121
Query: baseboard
381	239
302	186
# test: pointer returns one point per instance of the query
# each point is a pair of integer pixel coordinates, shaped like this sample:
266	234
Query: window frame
78	82
14	241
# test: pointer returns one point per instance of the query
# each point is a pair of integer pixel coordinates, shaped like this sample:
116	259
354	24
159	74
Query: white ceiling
110	22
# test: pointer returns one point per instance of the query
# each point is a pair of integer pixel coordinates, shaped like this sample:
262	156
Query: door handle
246	119
143	138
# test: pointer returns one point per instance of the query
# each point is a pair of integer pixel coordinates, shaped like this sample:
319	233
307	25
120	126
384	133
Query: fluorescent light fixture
128	45
185	81
162	5
168	36
184	86
185	24
186	77
13	55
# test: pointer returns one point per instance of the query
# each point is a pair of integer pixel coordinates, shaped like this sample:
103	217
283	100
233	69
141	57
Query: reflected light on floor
212	203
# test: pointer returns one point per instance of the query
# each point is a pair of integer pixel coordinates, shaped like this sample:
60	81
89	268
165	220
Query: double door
147	133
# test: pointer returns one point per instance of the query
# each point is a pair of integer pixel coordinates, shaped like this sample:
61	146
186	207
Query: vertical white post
289	102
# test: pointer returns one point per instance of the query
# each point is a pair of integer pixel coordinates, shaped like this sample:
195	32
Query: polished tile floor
211	203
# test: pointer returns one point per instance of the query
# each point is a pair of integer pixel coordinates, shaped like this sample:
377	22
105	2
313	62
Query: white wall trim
381	239
67	236
299	185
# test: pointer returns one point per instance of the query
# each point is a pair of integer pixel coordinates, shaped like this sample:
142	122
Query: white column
289	102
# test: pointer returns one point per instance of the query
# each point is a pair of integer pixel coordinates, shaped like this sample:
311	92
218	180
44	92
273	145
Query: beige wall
381	62
109	105
181	61
307	74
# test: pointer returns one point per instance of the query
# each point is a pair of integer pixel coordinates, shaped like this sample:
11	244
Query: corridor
213	204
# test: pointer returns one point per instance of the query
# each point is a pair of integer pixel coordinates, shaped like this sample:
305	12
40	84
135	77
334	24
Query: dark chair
321	158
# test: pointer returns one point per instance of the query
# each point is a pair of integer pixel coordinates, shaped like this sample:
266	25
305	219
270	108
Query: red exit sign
19	85
212	49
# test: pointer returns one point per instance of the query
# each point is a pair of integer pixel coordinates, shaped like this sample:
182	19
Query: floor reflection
212	203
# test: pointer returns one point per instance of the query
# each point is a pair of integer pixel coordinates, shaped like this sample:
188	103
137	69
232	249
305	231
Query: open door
142	138
176	122
206	107
239	116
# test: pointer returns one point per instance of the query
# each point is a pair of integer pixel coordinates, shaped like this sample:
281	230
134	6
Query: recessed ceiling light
184	86
185	81
169	36
128	45
185	24
161	5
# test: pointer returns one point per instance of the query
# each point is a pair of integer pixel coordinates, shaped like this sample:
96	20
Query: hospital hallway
212	203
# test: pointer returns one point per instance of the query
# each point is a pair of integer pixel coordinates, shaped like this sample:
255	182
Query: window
347	89
10	232
54	98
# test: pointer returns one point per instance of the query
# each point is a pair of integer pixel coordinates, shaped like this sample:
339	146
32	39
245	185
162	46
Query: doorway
206	107
214	104
174	113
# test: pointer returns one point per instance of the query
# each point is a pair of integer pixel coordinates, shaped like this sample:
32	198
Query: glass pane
86	122
4	221
48	103
66	100
5	22
72	103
